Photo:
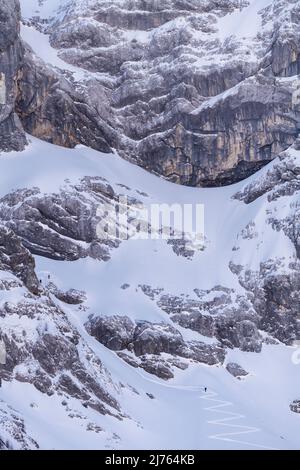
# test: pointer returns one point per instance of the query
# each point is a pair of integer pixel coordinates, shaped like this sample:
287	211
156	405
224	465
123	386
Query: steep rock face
52	108
275	284
17	259
11	134
178	87
276	299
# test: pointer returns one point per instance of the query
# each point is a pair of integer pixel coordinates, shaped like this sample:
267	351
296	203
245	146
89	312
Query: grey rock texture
61	226
146	345
12	136
271	304
281	179
295	406
51	108
17	259
275	285
277	301
156	339
71	297
166	88
269	301
43	349
162	102
236	370
229	318
161	369
13	428
156	94
65	225
114	332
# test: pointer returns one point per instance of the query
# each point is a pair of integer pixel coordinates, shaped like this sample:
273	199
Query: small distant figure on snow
205	389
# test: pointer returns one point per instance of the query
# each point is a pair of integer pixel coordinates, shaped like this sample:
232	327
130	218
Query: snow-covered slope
115	336
141	280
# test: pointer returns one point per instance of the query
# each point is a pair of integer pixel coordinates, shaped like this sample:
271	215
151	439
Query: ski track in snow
229	416
240	429
236	429
225	421
191	424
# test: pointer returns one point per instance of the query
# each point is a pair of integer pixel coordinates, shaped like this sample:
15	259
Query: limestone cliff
11	51
203	93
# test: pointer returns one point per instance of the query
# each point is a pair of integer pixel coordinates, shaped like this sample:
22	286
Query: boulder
295	406
236	370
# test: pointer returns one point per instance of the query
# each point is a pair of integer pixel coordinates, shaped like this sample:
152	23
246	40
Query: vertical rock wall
12	136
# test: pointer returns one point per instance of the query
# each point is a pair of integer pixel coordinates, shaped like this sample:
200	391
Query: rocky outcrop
144	82
276	300
13	433
275	284
116	332
236	370
216	313
270	304
17	259
169	87
12	136
158	97
271	301
44	350
70	297
51	108
155	339
146	345
295	406
61	226
82	219
281	179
